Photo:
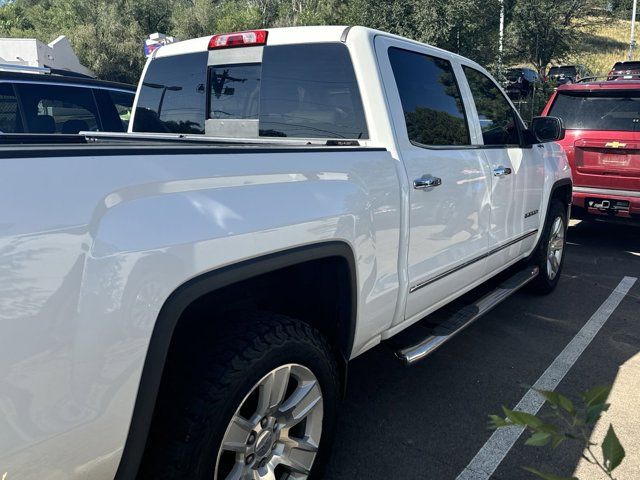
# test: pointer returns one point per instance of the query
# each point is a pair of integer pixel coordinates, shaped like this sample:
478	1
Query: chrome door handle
501	171
426	181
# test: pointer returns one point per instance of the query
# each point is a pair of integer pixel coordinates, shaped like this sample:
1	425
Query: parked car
603	146
184	305
52	103
624	71
520	81
563	74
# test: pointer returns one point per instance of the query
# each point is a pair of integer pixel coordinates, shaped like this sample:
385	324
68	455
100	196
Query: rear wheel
261	409
276	429
549	256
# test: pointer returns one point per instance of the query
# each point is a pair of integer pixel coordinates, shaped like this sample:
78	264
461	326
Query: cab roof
277	36
295	35
301	35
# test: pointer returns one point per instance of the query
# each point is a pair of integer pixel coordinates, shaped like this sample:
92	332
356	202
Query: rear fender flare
186	294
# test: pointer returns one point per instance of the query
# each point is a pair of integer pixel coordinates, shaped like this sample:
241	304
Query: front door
449	182
517	172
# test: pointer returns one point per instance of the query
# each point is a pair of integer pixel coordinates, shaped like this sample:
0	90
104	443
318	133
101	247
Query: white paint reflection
213	210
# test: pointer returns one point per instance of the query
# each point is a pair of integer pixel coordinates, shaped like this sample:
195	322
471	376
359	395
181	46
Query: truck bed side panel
91	245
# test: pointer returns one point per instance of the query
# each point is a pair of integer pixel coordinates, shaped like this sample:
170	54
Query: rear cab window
294	91
172	96
617	110
299	91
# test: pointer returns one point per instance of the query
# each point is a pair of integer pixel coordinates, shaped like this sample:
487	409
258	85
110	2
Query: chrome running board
460	319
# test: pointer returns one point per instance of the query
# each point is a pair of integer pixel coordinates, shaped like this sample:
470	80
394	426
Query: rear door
449	189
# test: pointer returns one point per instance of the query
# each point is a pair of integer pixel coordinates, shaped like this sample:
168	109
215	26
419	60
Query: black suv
49	103
520	81
562	74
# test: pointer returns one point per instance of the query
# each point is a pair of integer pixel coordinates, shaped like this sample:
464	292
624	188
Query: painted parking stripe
493	452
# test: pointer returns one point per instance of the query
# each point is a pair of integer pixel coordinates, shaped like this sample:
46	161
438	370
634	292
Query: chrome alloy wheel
555	247
275	433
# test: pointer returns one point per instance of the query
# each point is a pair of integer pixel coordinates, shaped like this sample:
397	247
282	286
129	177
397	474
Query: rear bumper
582	210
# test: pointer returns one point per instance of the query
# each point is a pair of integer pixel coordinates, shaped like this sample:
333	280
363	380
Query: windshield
562	71
585	111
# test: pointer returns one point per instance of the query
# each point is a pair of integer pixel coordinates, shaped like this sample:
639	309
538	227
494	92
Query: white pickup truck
181	301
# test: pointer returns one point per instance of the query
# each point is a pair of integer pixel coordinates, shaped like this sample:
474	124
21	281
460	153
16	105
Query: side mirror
547	129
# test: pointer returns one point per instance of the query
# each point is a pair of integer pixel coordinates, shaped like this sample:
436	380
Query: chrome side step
460	319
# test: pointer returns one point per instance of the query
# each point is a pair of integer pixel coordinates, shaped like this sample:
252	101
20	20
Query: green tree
467	27
543	30
106	35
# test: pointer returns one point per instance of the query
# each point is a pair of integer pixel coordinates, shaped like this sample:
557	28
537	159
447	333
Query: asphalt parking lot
429	421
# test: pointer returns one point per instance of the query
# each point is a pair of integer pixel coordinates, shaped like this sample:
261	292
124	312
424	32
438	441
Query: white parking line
493	452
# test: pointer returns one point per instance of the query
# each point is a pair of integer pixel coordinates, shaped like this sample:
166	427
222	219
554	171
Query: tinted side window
430	97
173	95
310	91
10	121
497	119
123	102
115	109
58	109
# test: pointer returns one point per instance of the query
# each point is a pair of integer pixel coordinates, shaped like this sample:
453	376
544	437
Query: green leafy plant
566	422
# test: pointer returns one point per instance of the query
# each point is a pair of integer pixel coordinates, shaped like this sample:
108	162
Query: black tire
545	282
187	439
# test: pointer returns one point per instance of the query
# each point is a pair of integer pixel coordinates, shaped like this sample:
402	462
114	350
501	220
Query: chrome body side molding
457	268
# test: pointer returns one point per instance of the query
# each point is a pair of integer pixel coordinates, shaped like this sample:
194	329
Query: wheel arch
561	190
207	283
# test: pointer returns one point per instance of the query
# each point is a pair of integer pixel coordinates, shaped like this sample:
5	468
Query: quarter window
123	102
431	100
498	121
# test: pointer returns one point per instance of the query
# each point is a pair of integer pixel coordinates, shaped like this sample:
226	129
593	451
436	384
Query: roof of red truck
602	85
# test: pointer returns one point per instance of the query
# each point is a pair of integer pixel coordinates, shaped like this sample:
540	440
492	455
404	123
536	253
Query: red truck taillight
238	39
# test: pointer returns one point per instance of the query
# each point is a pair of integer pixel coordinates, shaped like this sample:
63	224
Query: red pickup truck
603	146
